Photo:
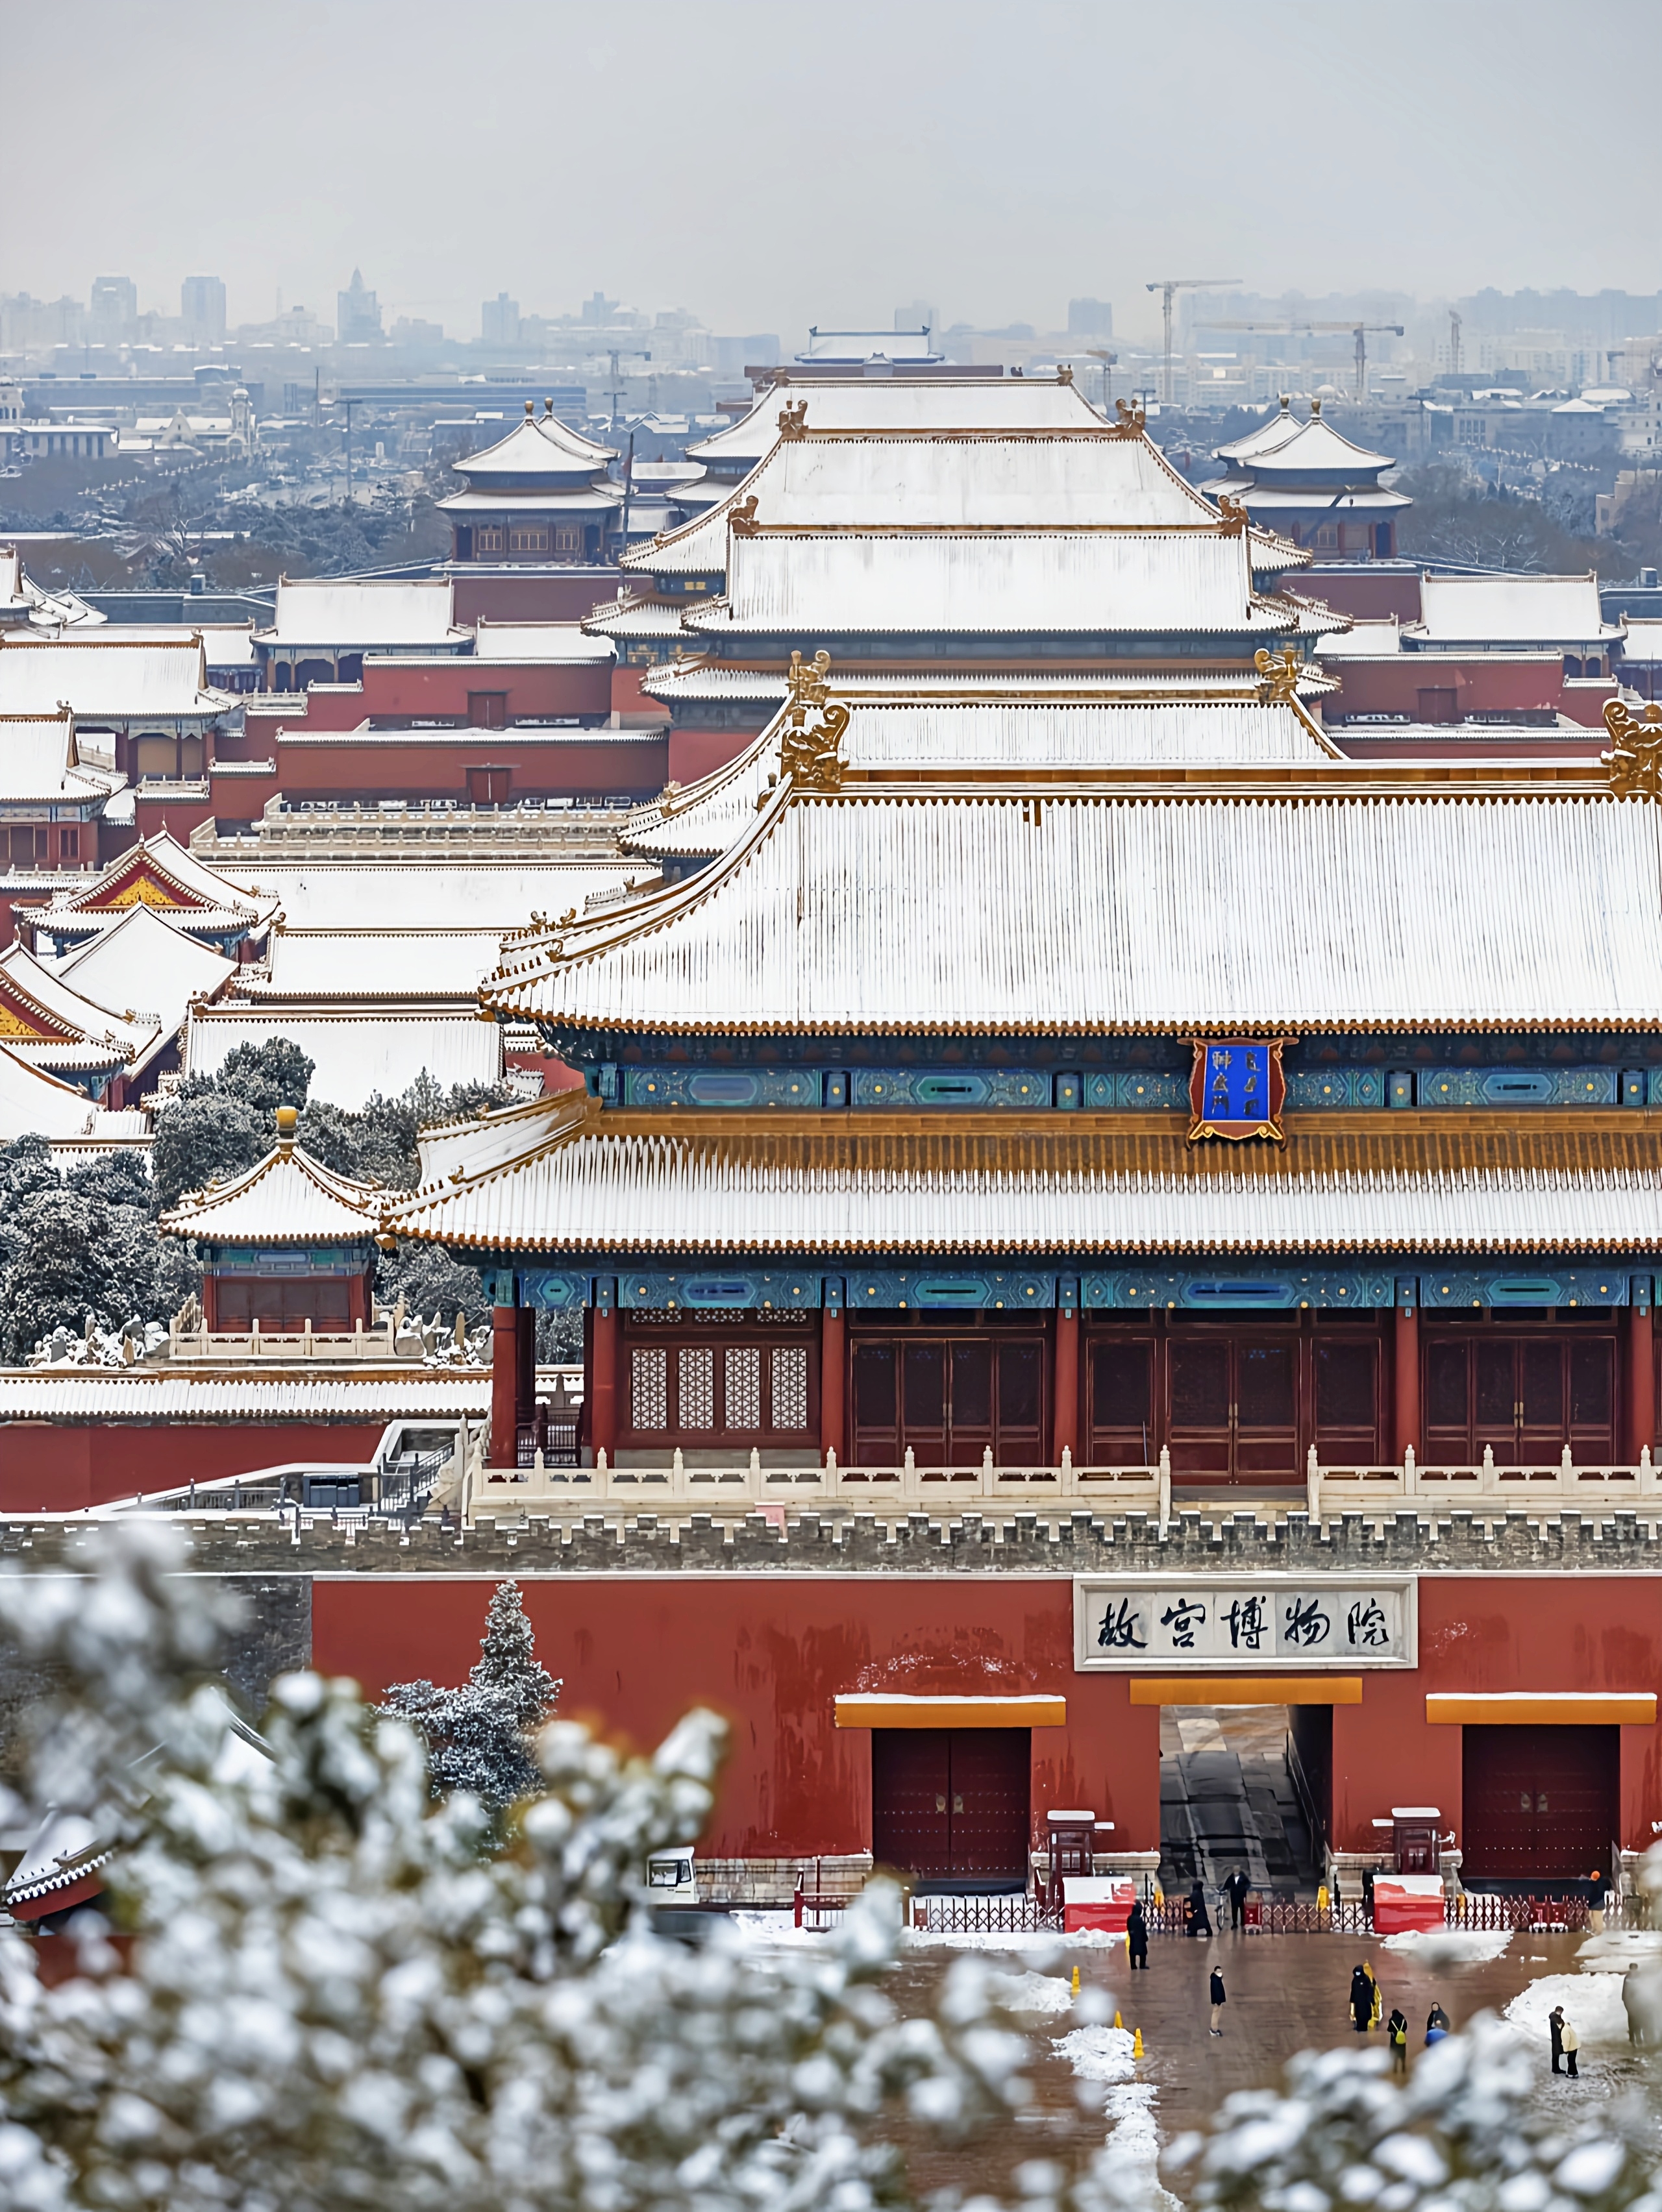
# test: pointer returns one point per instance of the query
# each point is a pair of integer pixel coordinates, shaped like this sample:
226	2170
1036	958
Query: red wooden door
952	1801
911	1792
1541	1803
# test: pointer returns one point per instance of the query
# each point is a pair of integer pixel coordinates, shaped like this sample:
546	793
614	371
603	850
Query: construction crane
1165	285
1454	341
1358	330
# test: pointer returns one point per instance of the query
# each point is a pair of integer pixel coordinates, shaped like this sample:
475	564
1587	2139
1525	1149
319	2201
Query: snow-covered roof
160	873
1643	641
949	733
38	1007
524	642
975	906
373	963
126	682
1276	430
1138	583
353	616
110	1395
35	1104
914	404
1053	479
144	962
584	1184
674	681
356	1052
287	1198
40	765
21	599
1511	609
442	895
550	499
1316	448
545	446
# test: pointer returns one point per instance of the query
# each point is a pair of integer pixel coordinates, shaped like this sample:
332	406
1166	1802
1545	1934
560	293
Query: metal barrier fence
1010	1913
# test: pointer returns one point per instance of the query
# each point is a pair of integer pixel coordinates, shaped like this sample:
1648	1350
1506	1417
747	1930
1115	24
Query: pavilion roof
1511	609
162	874
915	404
121	680
356	1050
340	615
438	894
287	1198
543	446
143	961
1314	447
38	1007
1161	900
584	1182
672	681
40	766
35	1104
1157	582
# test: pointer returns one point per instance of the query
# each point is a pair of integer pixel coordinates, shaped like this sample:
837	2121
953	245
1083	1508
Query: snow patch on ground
1592	2002
1618	1948
1104	2054
934	1939
1448	1947
769	1929
1097	2054
1034	1996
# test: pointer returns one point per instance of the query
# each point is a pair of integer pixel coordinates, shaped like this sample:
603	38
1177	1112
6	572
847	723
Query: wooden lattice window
790	1386
650	1387
743	1386
697	1380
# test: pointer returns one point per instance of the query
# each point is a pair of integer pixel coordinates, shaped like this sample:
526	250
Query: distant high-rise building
1090	318
113	308
499	321
201	308
597	310
919	316
357	313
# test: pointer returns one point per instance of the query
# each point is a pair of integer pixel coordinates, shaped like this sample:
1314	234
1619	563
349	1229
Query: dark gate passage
1541	1803
952	1803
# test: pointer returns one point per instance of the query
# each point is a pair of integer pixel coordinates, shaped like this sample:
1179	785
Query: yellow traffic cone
1076	1981
1118	2022
1136	2043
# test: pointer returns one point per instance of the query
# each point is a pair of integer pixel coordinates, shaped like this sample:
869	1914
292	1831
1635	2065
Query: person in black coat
1218	2000
1556	2036
1362	2000
1200	1921
1397	2035
1236	1889
1136	1938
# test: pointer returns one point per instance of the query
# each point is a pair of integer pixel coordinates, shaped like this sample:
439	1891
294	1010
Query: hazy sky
770	163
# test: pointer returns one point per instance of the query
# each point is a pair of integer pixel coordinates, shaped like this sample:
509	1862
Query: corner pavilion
1068	1078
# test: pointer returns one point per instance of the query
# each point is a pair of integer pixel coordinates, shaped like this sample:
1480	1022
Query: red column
1641	1382
1408	1380
1064	1412
833	1356
603	1363
504	1384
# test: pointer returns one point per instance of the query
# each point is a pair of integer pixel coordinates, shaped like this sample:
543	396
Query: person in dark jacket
1136	1938
1236	1889
1200	1921
1556	2036
1397	2036
1436	2024
1362	1999
1219	2000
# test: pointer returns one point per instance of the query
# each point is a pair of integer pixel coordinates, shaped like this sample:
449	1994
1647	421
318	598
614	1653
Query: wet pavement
1227	1801
1286	1994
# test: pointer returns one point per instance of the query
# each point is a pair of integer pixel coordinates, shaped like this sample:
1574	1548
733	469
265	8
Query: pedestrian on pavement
1237	1888
1367	1893
1219	2000
1397	2030
1379	2000
1136	1938
1362	1999
1571	2043
1555	2035
1631	2004
1200	1921
1436	2024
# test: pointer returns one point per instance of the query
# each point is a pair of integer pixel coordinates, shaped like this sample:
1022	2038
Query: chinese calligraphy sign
1216	1622
1236	1088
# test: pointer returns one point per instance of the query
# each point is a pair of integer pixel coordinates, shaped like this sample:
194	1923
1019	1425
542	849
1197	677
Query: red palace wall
695	753
578	763
771	1654
536	690
531	594
1482	683
51	1467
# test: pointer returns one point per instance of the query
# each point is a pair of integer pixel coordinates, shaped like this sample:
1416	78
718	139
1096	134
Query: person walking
1397	2031
1379	2000
1136	1938
1236	1888
1219	1999
1556	2036
1362	1999
1436	2025
1571	2043
1200	1921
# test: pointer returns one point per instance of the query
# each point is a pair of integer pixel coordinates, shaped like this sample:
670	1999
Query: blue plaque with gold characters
1236	1089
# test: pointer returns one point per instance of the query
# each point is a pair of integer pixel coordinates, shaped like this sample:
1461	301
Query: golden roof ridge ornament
1233	515
741	518
1634	762
794	421
809	756
1281	672
1132	419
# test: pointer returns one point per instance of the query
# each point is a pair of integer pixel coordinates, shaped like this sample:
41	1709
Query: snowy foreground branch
340	1995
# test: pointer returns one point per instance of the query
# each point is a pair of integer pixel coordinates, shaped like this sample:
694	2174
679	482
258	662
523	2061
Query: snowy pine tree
479	1737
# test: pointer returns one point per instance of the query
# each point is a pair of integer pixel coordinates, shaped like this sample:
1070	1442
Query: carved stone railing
1599	1485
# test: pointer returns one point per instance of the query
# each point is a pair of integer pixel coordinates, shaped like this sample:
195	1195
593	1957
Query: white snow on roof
916	404
356	1054
287	1198
545	446
421	963
352	616
39	764
35	1104
347	895
1511	609
41	1395
144	962
539	641
898	909
120	683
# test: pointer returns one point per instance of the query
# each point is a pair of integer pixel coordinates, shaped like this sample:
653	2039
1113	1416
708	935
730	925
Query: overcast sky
772	163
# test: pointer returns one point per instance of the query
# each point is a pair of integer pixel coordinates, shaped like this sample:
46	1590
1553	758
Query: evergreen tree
479	1738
